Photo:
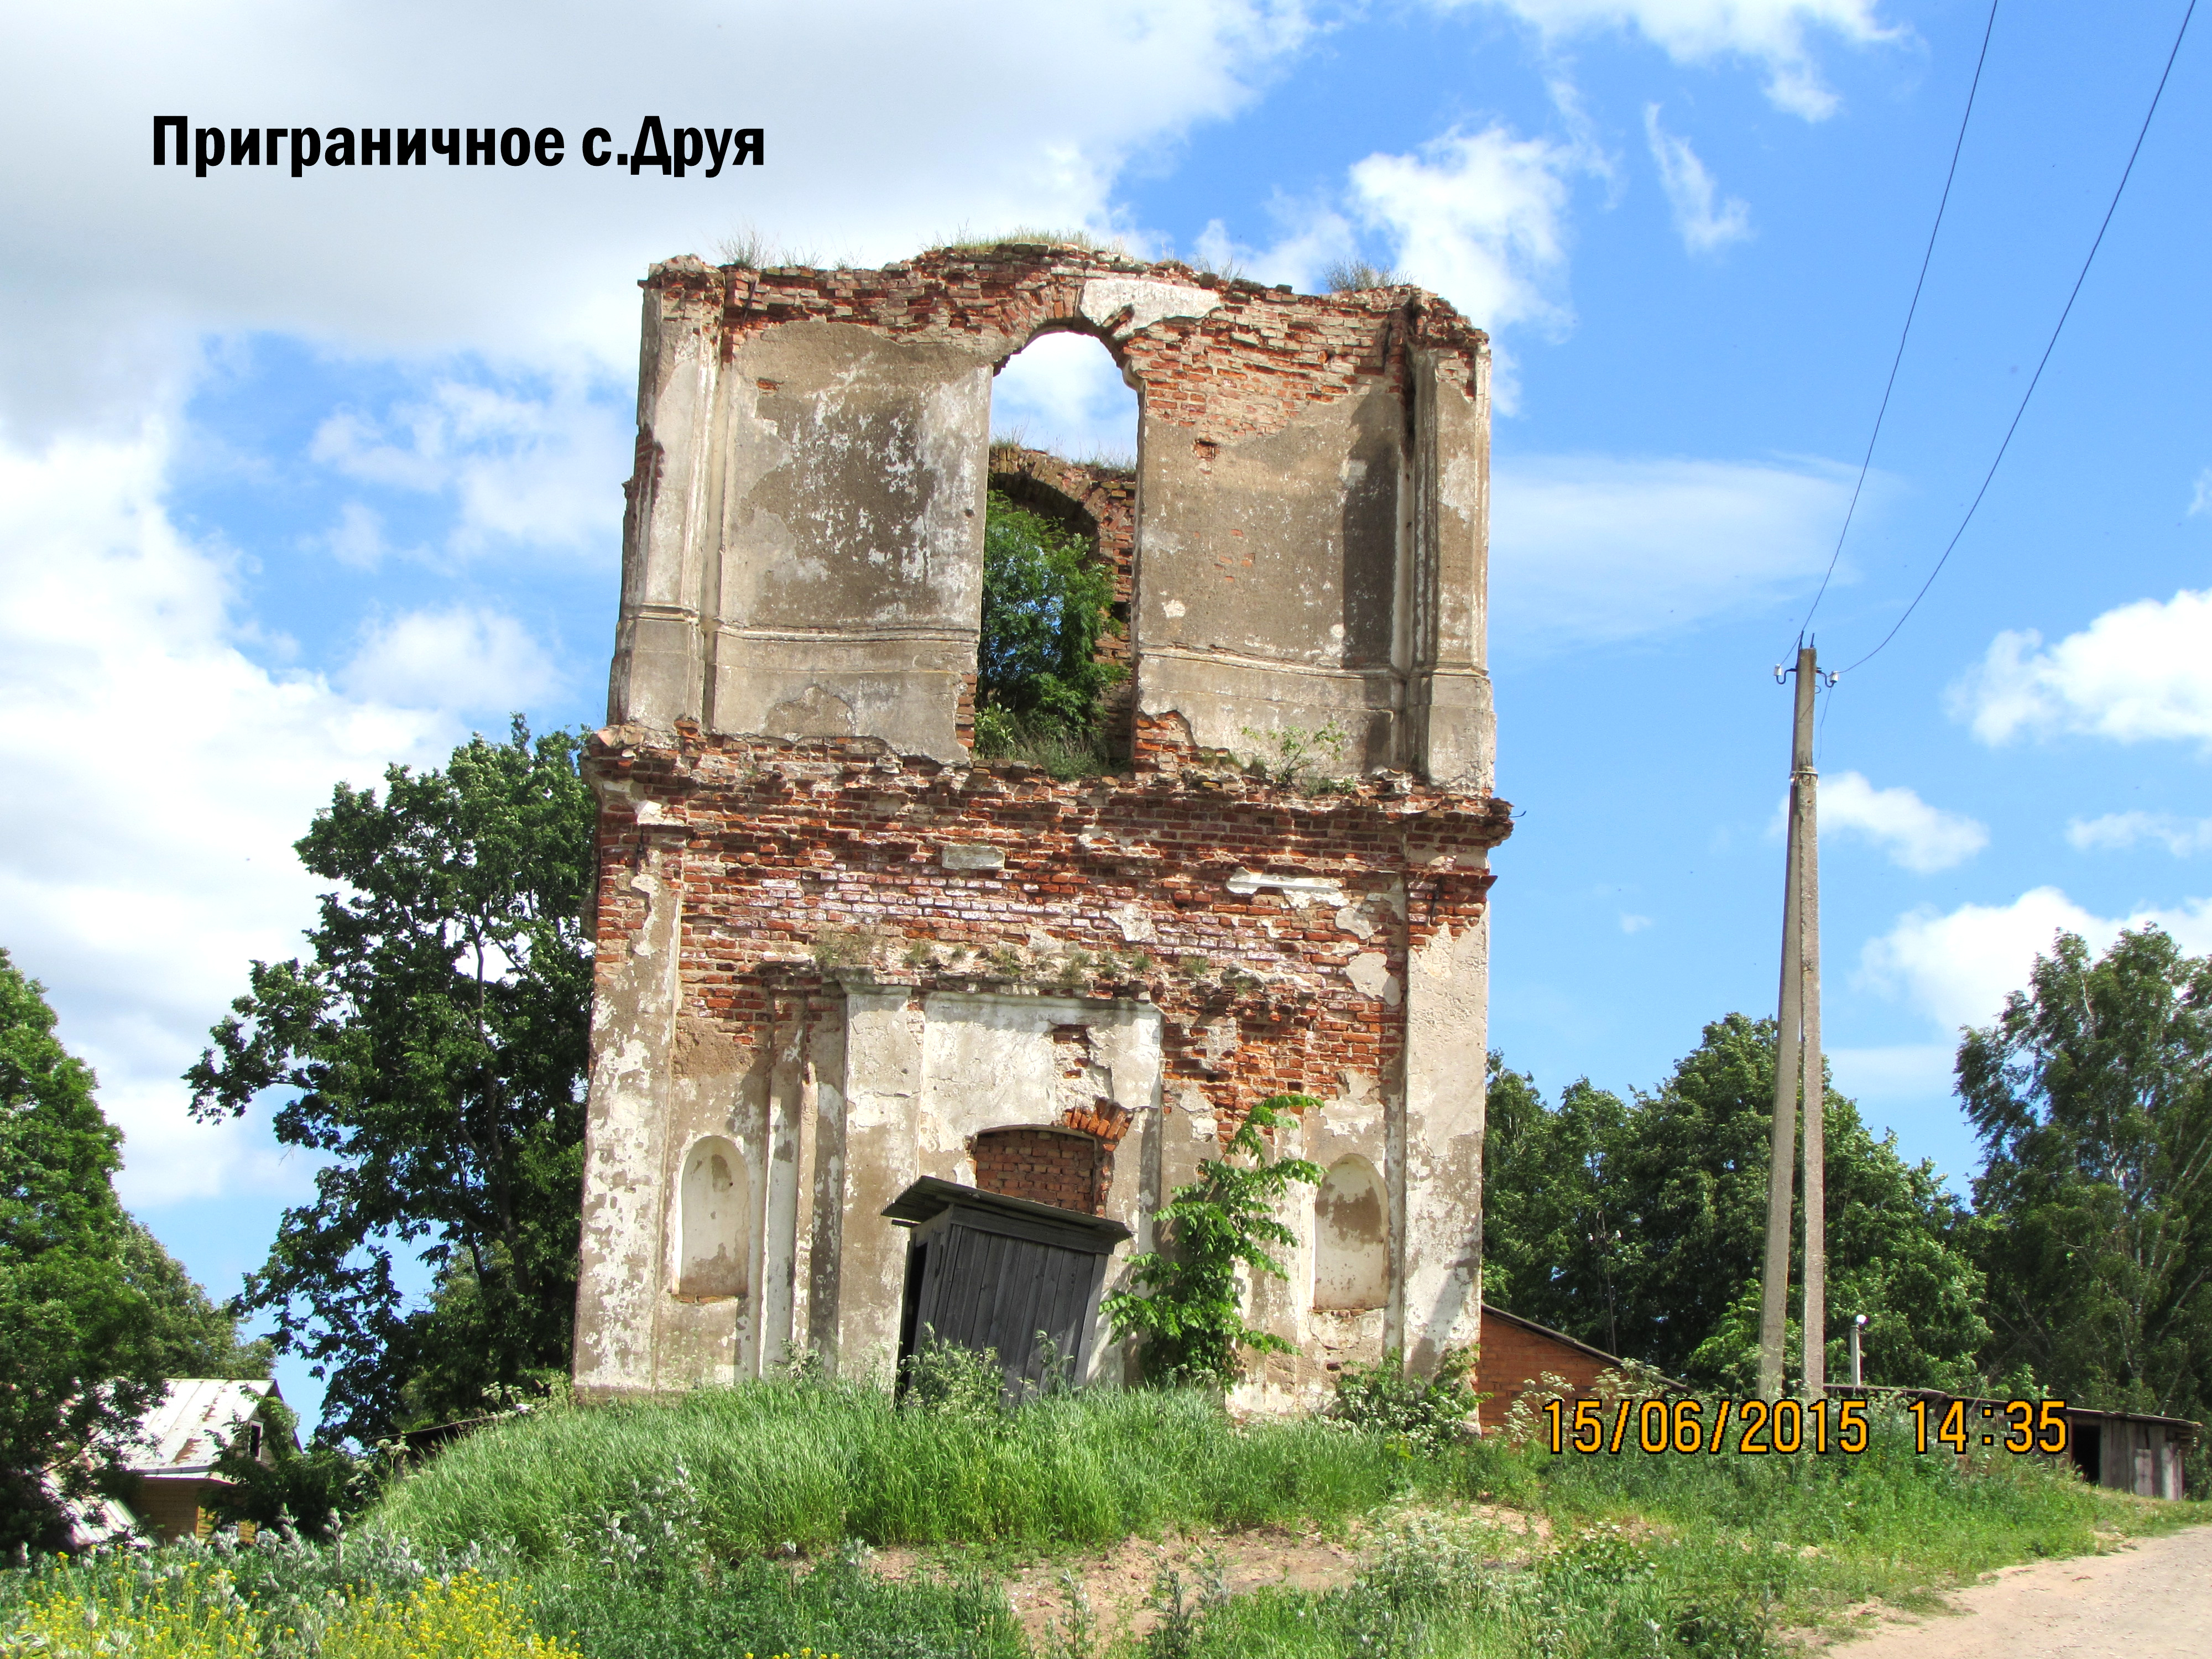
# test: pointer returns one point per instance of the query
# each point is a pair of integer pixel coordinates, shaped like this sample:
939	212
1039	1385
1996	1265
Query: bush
1427	1414
945	1376
1190	1313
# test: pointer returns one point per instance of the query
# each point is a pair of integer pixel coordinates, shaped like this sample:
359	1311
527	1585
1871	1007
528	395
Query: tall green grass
767	1465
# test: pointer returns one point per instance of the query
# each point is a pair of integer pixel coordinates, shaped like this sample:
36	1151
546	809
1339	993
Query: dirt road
2151	1600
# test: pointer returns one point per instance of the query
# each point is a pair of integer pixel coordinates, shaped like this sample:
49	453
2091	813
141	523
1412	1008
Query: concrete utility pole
1797	1067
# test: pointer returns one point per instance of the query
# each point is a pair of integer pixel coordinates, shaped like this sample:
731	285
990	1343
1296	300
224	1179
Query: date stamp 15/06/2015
1762	1427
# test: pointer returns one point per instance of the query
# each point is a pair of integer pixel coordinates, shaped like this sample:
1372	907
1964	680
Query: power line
1911	311
2125	172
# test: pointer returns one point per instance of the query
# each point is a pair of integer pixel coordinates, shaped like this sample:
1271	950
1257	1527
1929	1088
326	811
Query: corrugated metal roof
197	1417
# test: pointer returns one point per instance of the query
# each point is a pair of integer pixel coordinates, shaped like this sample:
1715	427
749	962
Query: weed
1295	749
968	242
1074	1634
1059	751
835	946
658	1528
1357	276
1426	1414
947	1377
1180	1607
748	247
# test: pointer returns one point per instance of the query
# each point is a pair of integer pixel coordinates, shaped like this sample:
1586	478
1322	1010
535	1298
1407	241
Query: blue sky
298	478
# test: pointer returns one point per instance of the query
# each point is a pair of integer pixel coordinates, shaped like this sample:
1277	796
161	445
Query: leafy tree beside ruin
81	1353
2091	1094
1639	1225
430	1050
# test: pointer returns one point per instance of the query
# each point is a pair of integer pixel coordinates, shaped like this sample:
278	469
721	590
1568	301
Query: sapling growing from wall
1188	1311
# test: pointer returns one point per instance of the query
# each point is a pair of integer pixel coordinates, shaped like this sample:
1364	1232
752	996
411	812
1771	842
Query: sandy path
2148	1600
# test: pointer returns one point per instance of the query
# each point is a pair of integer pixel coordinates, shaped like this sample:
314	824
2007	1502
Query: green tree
1188	1308
2091	1094
432	1050
1640	1228
1551	1244
312	1489
83	1358
1046	603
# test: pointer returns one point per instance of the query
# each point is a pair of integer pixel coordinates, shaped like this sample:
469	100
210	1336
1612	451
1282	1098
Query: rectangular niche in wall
1002	1275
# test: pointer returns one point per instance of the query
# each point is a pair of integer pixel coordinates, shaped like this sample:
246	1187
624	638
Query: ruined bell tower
836	952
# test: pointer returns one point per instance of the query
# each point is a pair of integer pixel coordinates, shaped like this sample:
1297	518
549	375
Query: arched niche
1352	1238
714	1204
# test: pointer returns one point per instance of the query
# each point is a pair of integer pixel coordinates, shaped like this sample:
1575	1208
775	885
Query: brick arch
1046	1163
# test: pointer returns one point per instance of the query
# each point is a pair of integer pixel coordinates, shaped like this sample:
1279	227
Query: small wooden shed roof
929	1198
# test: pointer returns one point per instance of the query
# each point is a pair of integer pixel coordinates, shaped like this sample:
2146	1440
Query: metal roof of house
195	1418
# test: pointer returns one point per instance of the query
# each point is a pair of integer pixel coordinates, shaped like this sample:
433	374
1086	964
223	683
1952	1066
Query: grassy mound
755	1468
734	1521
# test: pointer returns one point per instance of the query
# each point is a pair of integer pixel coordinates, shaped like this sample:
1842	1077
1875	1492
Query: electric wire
1911	312
2125	172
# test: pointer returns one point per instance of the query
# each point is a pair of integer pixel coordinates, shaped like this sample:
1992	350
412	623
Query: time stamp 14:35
1759	1427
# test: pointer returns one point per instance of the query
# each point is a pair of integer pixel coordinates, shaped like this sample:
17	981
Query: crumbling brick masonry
836	953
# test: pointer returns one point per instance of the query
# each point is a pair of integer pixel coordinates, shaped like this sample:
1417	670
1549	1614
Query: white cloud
2118	831
1916	836
1631	923
2139	671
1480	218
995	113
1771	34
1957	967
536	472
2201	500
160	777
462	657
1705	224
1586	548
1063	392
357	539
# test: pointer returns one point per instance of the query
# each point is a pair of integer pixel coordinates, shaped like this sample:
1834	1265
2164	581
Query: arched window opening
1060	533
1352	1239
1065	1168
713	1206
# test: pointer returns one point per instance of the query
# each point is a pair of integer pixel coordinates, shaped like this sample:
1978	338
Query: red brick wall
799	864
1248	366
1512	1356
1048	1166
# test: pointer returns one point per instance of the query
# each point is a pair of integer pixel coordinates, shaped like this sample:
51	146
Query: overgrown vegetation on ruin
1186	1306
741	1521
1039	682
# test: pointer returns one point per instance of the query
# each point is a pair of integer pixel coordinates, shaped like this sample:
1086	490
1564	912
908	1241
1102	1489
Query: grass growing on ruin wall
770	1464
